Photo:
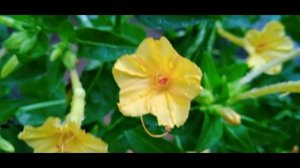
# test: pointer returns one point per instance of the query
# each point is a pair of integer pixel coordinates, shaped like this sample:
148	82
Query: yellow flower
67	137
57	137
157	80
263	46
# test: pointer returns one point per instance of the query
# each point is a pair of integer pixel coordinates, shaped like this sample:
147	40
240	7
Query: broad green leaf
11	134
235	71
166	22
141	142
101	93
66	31
102	45
211	132
263	135
9	108
291	23
238	139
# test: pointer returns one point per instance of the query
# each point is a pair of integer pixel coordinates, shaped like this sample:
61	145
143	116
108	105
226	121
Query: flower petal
43	138
127	71
134	99
169	109
186	79
156	52
83	142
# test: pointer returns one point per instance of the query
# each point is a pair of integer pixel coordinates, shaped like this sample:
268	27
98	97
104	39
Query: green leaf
53	23
235	71
9	108
37	113
237	139
66	31
102	45
166	22
291	23
101	93
141	142
211	132
133	33
263	135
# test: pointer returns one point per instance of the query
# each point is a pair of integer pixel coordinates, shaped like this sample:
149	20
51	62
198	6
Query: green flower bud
205	98
69	59
15	40
58	51
6	146
9	66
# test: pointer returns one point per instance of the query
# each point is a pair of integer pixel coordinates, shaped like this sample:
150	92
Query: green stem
77	105
43	105
237	40
256	72
284	87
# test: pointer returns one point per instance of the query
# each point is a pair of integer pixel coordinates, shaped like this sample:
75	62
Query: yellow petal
127	71
134	99
83	142
255	61
156	54
169	109
186	79
274	70
53	137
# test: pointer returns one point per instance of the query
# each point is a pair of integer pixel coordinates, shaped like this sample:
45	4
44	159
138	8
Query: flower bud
9	66
6	146
69	59
230	116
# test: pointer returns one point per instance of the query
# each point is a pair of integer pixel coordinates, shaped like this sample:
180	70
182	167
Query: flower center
162	80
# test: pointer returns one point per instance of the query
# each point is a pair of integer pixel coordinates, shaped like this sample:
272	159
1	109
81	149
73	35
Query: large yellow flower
263	46
157	80
57	137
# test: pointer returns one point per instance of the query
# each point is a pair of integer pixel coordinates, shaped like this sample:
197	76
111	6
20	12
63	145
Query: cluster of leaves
38	88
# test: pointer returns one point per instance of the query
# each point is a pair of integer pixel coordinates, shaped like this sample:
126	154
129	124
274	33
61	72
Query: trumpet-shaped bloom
266	45
157	80
263	46
57	137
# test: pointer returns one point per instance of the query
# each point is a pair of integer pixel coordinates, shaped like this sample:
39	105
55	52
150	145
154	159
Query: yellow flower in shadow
263	46
157	80
67	137
57	137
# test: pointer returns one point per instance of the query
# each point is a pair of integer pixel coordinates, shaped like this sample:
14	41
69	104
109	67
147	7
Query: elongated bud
69	59
15	41
230	116
6	146
58	51
9	66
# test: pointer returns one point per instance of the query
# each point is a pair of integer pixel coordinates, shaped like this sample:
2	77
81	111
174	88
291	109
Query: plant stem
290	87
43	105
236	40
256	72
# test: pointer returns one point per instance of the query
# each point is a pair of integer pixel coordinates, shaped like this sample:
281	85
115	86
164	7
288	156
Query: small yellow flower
67	137
263	46
157	80
57	137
